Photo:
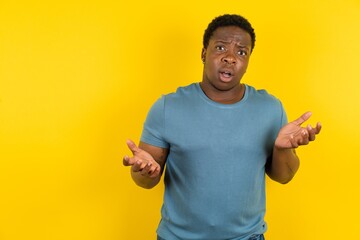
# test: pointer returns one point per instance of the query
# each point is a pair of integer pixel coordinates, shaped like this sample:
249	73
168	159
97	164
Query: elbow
146	186
146	183
283	175
282	179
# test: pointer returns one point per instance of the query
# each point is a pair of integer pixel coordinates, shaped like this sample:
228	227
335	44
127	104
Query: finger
305	138
127	161
312	132
302	119
137	166
318	127
156	172
146	170
132	146
152	169
293	142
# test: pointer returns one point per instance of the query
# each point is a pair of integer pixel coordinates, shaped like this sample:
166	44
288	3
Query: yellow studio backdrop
78	77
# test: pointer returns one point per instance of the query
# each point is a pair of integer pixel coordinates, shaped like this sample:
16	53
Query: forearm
283	166
145	181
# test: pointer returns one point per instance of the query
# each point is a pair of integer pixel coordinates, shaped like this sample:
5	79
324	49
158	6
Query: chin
226	86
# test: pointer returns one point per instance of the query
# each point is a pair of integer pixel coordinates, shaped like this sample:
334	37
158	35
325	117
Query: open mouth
226	75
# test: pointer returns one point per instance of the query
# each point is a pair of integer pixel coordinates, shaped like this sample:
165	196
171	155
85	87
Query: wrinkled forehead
231	34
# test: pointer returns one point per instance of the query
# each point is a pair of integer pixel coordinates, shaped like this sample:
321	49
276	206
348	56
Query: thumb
132	146
303	118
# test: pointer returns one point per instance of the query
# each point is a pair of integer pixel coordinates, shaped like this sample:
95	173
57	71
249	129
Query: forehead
231	34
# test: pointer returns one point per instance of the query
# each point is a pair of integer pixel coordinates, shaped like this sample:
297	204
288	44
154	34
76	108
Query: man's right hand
141	162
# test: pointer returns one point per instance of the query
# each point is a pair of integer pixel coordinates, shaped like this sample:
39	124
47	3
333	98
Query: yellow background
78	77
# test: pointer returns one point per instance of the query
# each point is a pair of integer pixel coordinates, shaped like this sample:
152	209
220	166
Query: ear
203	55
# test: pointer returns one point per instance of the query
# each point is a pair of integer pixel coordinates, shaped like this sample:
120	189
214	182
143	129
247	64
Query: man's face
226	57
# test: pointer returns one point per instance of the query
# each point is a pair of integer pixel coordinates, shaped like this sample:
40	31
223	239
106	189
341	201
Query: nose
229	59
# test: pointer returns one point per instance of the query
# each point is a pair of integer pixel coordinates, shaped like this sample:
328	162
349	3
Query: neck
229	96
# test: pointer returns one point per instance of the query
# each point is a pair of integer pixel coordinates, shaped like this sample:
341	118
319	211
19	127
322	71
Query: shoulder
182	91
262	95
175	100
265	102
267	105
181	95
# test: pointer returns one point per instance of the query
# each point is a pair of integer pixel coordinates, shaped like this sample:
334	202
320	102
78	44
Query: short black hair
225	21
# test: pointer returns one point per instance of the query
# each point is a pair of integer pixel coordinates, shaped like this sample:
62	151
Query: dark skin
226	59
225	62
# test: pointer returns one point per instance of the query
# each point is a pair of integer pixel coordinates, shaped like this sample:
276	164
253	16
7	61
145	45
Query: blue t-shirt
215	170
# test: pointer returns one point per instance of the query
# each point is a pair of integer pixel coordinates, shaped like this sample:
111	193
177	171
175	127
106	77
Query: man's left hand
293	135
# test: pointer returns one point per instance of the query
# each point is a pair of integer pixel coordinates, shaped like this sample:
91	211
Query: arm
147	163
285	163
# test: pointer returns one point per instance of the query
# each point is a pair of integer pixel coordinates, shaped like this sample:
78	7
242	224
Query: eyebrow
226	42
221	41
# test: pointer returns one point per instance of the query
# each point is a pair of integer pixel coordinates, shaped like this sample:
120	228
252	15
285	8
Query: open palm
293	135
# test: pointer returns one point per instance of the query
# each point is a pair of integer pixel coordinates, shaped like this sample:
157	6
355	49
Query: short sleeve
284	119
154	126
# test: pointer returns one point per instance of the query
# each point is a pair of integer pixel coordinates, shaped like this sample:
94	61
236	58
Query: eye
242	52
220	48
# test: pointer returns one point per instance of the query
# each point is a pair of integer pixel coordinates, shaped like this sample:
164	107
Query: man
218	138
